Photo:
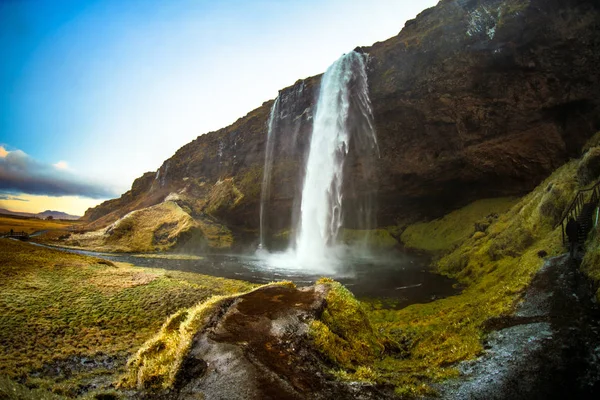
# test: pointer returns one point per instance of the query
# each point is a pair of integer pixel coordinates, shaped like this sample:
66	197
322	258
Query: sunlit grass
55	305
31	225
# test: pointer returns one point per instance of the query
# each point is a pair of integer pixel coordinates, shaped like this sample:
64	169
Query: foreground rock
549	349
256	346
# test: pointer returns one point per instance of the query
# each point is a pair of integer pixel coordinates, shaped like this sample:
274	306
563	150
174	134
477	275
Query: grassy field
31	225
69	322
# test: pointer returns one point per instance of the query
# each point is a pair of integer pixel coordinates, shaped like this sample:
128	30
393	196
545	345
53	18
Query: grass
31	225
156	228
344	334
423	343
55	306
163	227
156	365
495	265
444	233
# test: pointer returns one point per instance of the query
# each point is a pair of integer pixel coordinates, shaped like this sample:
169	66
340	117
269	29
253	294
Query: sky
95	93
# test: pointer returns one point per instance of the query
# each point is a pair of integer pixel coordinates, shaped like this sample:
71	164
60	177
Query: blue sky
98	92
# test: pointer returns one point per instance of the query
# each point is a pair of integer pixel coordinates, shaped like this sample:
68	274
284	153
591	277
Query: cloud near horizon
11	198
20	173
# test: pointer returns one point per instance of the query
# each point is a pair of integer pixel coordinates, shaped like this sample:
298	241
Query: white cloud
20	173
61	165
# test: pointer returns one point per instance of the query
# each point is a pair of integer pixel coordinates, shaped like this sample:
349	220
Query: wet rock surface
257	347
549	348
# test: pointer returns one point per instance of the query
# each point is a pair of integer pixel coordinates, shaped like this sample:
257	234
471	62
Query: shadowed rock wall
472	99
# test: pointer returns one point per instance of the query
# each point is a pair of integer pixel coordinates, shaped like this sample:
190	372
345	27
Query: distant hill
57	215
42	215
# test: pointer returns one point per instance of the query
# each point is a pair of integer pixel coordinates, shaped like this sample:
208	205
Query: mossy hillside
223	197
55	306
155	228
344	334
494	266
444	233
163	227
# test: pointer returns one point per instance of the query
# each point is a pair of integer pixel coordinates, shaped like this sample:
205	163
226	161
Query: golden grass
156	364
31	225
155	228
56	305
453	228
163	227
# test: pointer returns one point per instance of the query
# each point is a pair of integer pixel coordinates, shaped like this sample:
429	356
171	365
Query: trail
549	348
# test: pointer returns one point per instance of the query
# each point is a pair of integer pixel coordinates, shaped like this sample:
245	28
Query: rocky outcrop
473	99
253	346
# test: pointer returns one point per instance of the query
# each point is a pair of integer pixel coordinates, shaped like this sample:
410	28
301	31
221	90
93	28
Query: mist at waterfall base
343	120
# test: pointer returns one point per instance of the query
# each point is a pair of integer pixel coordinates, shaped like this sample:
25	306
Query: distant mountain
42	215
20	214
56	215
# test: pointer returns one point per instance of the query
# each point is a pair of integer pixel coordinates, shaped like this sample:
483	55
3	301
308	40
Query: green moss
594	141
224	196
344	333
448	231
494	266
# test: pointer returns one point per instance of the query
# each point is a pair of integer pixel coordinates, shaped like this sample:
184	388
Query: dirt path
549	349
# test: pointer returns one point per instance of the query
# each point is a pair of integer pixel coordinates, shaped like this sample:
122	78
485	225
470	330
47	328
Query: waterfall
343	113
342	124
268	167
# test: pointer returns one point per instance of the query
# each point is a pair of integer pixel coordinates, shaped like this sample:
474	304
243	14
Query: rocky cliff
473	99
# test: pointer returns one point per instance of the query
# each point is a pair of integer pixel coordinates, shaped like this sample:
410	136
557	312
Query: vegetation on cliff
453	228
494	265
163	227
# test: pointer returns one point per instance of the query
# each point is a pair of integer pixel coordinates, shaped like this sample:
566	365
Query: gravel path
549	349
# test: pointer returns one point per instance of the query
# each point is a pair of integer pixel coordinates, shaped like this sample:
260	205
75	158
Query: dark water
399	279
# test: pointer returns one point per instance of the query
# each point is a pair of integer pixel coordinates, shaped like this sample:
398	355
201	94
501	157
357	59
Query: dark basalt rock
258	348
472	99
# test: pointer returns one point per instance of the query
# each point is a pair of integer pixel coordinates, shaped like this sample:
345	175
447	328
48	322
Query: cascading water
268	167
344	91
343	120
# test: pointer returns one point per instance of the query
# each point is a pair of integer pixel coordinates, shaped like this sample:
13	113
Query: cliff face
472	99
